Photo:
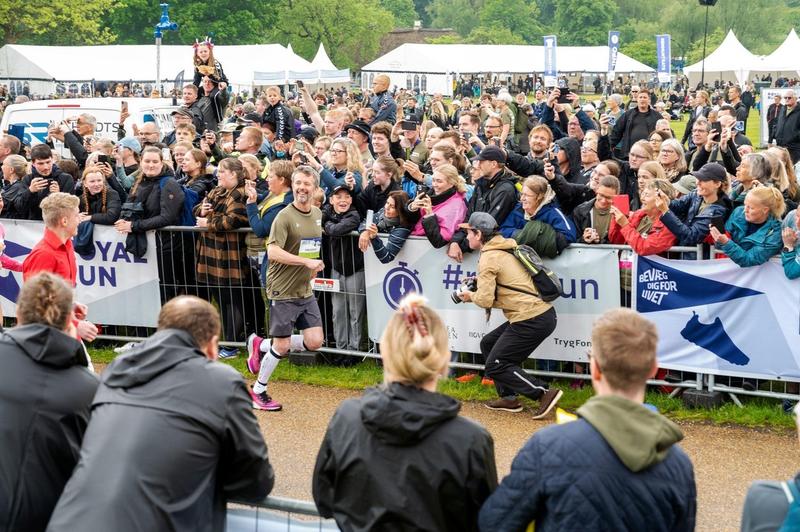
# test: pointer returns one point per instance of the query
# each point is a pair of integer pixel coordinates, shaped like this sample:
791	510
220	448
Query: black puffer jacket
45	394
617	468
496	195
342	248
30	201
401	458
281	116
161	207
173	436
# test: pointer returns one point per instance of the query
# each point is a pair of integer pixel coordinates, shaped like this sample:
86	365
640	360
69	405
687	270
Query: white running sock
266	345
296	343
268	365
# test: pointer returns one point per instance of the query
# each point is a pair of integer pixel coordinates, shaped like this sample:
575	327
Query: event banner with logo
613	52
717	316
118	288
591	286
550	69
664	56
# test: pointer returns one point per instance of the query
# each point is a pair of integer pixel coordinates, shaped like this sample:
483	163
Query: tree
350	29
460	15
695	53
55	22
404	12
519	17
643	50
496	35
584	22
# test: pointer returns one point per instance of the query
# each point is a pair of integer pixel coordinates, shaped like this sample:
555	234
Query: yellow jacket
518	296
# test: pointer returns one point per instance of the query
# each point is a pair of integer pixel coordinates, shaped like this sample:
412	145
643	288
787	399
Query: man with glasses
593	218
635	124
787	131
633	100
589	158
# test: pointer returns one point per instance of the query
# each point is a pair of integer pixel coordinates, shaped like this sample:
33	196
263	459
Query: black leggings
506	347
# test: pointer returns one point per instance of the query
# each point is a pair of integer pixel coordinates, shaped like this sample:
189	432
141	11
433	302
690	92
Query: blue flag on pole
663	54
613	51
550	71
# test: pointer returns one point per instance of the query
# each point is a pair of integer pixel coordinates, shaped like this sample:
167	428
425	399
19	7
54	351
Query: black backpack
546	281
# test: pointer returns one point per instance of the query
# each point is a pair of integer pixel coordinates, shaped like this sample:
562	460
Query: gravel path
726	459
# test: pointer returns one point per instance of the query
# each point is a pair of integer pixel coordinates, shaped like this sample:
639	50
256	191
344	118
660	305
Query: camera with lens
468	284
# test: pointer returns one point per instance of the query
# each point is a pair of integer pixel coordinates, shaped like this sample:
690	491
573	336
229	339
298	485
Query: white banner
118	288
717	317
591	286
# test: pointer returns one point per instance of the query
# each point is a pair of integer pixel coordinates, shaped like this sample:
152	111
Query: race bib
310	248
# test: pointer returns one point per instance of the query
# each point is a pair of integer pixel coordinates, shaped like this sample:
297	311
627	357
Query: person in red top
54	252
644	231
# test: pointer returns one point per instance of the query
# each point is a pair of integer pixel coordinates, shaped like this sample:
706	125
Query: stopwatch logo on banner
399	282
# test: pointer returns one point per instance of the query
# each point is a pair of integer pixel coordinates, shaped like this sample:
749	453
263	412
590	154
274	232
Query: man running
293	249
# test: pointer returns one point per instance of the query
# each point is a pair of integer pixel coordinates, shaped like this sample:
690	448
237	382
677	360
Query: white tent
730	61
432	67
785	60
320	71
43	66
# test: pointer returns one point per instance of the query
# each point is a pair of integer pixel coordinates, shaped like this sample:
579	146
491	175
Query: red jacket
50	255
658	240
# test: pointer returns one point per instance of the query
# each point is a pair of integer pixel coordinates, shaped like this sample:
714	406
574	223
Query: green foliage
584	22
350	29
493	35
643	50
695	53
519	17
404	12
55	22
461	15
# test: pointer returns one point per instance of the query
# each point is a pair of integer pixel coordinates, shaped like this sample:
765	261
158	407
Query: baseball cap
711	172
130	143
182	111
480	221
337	188
686	184
492	153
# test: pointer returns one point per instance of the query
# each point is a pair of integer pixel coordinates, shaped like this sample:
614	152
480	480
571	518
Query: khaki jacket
517	297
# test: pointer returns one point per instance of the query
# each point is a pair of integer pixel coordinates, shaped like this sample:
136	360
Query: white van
35	116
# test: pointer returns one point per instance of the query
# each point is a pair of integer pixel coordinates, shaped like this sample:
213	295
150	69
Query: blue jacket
261	224
617	468
548	119
686	223
332	178
384	106
549	213
756	248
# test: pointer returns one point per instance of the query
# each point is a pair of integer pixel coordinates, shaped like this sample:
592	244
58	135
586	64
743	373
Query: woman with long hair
392	220
440	211
344	167
221	255
405	431
205	65
99	203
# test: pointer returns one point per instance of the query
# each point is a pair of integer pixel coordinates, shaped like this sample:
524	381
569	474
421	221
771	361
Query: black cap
309	133
253	117
337	188
492	153
711	172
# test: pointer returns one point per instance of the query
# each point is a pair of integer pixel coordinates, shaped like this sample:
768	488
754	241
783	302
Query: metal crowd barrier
242	307
275	514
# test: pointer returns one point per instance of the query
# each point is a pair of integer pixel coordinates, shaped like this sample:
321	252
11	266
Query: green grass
757	412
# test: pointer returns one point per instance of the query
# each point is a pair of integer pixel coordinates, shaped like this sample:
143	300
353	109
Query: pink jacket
449	214
7	262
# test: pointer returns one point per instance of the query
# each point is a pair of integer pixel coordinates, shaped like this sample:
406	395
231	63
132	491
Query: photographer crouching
504	283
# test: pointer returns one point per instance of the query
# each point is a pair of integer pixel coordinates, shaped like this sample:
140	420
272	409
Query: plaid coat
221	255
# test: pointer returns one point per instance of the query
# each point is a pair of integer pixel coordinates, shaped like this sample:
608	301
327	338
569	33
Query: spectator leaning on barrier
689	217
616	467
755	228
504	283
293	250
100	203
191	453
537	221
220	252
440	210
393	220
427	468
643	229
593	218
41	430
45	178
